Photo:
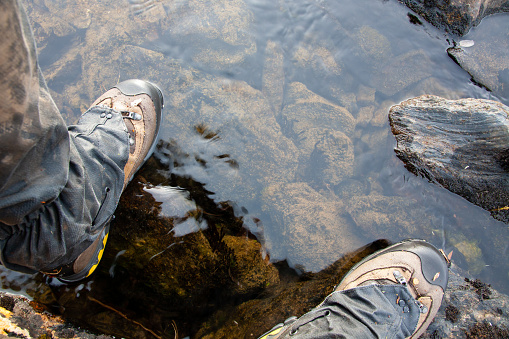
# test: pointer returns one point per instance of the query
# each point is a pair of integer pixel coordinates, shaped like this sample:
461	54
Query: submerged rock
315	231
293	297
461	145
273	79
332	159
373	45
389	217
456	16
305	109
401	72
154	279
214	33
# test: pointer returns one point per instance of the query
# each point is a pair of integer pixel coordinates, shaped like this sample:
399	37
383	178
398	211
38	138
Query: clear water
266	82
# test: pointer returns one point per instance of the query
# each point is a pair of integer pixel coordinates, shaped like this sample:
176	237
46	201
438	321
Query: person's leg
393	293
26	135
59	187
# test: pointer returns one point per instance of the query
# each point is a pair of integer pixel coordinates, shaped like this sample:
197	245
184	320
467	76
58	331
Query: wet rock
253	132
486	60
470	309
314	233
365	115
380	117
273	80
373	44
332	159
366	96
77	16
376	138
148	11
389	217
470	251
456	16
327	156
80	48
22	318
387	70
255	273
404	70
218	127
151	278
432	86
305	109
460	145
214	33
350	188
319	59
314	47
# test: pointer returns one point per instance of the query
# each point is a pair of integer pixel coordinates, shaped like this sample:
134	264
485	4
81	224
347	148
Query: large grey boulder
458	144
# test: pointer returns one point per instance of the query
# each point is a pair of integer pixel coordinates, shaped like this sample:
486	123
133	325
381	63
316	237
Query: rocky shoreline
22	318
470	309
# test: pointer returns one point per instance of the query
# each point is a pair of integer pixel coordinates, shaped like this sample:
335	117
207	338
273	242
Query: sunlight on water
174	204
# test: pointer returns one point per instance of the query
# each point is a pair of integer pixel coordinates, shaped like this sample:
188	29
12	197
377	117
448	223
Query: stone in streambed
461	145
485	58
305	109
314	232
456	16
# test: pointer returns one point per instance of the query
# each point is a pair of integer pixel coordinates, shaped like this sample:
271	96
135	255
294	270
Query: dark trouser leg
374	311
58	186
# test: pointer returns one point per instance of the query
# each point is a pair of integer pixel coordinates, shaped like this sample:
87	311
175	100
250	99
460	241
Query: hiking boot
140	103
413	264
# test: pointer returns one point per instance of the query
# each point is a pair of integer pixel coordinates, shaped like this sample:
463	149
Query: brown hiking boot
140	103
412	263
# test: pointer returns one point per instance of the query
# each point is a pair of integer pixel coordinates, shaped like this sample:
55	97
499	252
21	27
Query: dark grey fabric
58	185
374	311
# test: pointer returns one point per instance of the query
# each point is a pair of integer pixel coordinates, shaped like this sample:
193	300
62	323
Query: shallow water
280	109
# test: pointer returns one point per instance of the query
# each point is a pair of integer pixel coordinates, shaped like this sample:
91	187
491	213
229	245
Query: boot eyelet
327	313
294	331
